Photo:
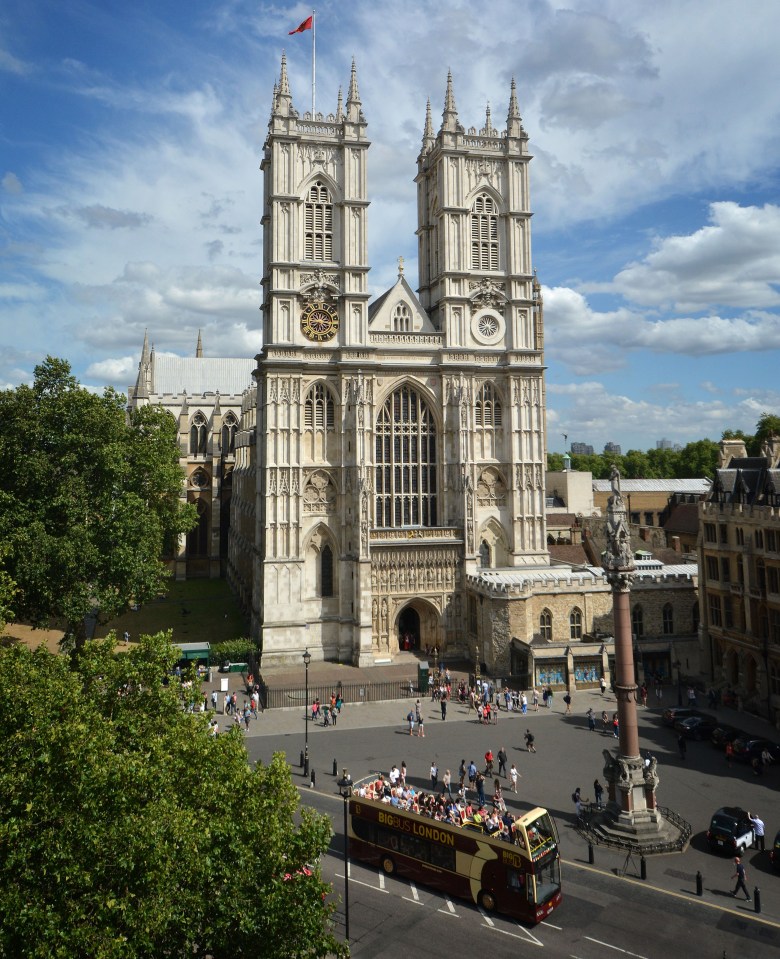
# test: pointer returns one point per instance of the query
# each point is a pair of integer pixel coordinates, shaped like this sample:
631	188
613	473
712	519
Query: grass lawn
198	611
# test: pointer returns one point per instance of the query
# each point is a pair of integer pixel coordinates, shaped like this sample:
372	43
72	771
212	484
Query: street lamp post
476	663
306	661
345	788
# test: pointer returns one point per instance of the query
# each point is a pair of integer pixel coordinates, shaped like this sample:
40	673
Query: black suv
730	831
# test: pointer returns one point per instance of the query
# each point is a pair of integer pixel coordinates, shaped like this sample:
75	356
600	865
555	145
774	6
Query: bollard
757	899
335	768
699	884
591	857
643	868
313	780
301	762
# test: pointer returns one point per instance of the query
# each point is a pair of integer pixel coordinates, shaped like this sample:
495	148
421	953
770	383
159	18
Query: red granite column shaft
625	686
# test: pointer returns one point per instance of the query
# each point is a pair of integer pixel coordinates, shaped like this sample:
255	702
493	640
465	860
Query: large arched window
198	435
545	625
406	480
484	233
575	623
318	228
229	429
487	409
198	537
668	618
318	411
637	622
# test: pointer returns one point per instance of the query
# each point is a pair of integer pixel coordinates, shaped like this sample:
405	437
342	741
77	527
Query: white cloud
12	184
118	370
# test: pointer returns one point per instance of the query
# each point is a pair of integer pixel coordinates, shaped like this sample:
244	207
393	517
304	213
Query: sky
130	193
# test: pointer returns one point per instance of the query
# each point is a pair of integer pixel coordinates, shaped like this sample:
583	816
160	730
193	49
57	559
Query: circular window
199	479
487	326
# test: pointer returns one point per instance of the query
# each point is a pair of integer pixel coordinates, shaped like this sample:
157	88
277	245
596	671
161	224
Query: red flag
306	25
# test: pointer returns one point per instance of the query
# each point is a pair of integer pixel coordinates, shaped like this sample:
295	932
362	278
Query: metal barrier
367	692
584	826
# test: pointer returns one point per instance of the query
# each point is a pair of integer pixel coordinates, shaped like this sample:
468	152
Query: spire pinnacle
199	347
339	108
514	125
354	113
428	134
282	95
488	122
450	115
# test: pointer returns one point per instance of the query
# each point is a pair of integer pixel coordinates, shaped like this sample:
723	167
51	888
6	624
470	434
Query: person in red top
489	762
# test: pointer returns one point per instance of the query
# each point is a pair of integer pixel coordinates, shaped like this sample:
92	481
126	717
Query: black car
774	853
730	831
696	727
748	749
726	734
674	713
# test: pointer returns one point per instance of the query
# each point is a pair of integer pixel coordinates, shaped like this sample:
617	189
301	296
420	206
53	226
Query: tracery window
487	409
405	475
229	430
484	233
198	435
575	624
545	625
402	319
318	229
318	411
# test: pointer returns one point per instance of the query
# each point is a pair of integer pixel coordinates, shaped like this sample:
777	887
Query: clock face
319	322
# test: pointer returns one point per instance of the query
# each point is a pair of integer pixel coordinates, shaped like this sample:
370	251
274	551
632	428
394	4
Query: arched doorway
408	629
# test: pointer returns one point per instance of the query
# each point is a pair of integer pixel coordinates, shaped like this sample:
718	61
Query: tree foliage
128	832
91	501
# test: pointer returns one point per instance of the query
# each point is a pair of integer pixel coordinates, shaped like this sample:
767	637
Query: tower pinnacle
428	134
514	125
450	115
354	113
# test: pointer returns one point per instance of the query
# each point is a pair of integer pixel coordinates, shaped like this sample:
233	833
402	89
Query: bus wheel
388	865
487	900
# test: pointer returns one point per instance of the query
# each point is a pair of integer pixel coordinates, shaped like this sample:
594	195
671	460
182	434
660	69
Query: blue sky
130	194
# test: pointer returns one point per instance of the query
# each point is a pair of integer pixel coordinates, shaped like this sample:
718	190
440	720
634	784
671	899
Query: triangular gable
382	313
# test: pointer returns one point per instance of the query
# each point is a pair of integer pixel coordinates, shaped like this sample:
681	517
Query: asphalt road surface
607	910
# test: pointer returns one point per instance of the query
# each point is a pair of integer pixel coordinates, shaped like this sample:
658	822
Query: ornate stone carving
486	294
319	493
491	488
618	559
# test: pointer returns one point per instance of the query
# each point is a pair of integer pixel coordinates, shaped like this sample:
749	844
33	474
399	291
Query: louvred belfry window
484	233
319	223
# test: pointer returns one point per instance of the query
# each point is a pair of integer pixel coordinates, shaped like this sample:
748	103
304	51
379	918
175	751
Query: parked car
674	713
747	749
696	727
774	853
730	831
726	734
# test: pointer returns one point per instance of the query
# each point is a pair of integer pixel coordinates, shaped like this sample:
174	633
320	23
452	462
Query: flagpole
313	58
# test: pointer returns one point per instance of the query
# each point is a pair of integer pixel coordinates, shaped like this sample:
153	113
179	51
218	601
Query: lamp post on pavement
306	661
345	788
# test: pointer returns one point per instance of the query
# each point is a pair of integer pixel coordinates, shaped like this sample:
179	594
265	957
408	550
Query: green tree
698	459
91	501
767	427
128	832
636	465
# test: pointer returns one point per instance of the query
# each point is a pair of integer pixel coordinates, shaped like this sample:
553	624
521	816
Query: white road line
551	926
634	955
366	884
486	917
450	906
446	912
531	938
382	882
514	935
414	892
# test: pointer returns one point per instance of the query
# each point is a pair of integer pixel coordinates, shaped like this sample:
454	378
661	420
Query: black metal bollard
699	884
591	856
313	780
757	899
335	768
643	868
301	762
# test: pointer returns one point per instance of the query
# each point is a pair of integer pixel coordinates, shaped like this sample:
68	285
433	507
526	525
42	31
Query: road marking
445	912
414	891
609	945
486	917
551	926
382	882
366	884
531	938
450	906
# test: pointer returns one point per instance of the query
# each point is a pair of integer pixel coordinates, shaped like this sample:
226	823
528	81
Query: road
607	909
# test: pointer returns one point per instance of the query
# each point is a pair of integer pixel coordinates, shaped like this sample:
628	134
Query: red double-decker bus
521	879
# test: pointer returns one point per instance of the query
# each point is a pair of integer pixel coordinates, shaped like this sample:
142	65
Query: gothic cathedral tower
400	446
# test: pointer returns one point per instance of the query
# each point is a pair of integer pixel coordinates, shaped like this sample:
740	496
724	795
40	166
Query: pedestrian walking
529	741
549	697
420	726
603	685
536	700
615	726
447	782
513	774
481	788
472	771
403	772
577	800
598	793
758	830
643	694
604	722
729	754
410	719
462	771
434	775
682	745
591	719
214	698
126	637
443	706
567	700
502	757
524	703
740	875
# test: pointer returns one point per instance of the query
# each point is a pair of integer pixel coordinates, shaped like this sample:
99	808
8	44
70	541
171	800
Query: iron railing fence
279	697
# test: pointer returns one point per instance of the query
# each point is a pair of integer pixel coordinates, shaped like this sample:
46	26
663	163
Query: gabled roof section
381	313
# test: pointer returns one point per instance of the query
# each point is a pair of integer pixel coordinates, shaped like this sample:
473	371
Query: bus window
515	880
548	880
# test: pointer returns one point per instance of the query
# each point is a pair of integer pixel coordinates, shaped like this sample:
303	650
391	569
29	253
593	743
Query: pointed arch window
326	571
484	554
668	619
637	622
487	409
229	430
406	480
318	229
402	319
575	623
545	626
318	410
198	435
484	233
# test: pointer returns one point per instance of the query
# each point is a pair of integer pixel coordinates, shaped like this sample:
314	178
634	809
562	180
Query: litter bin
423	671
